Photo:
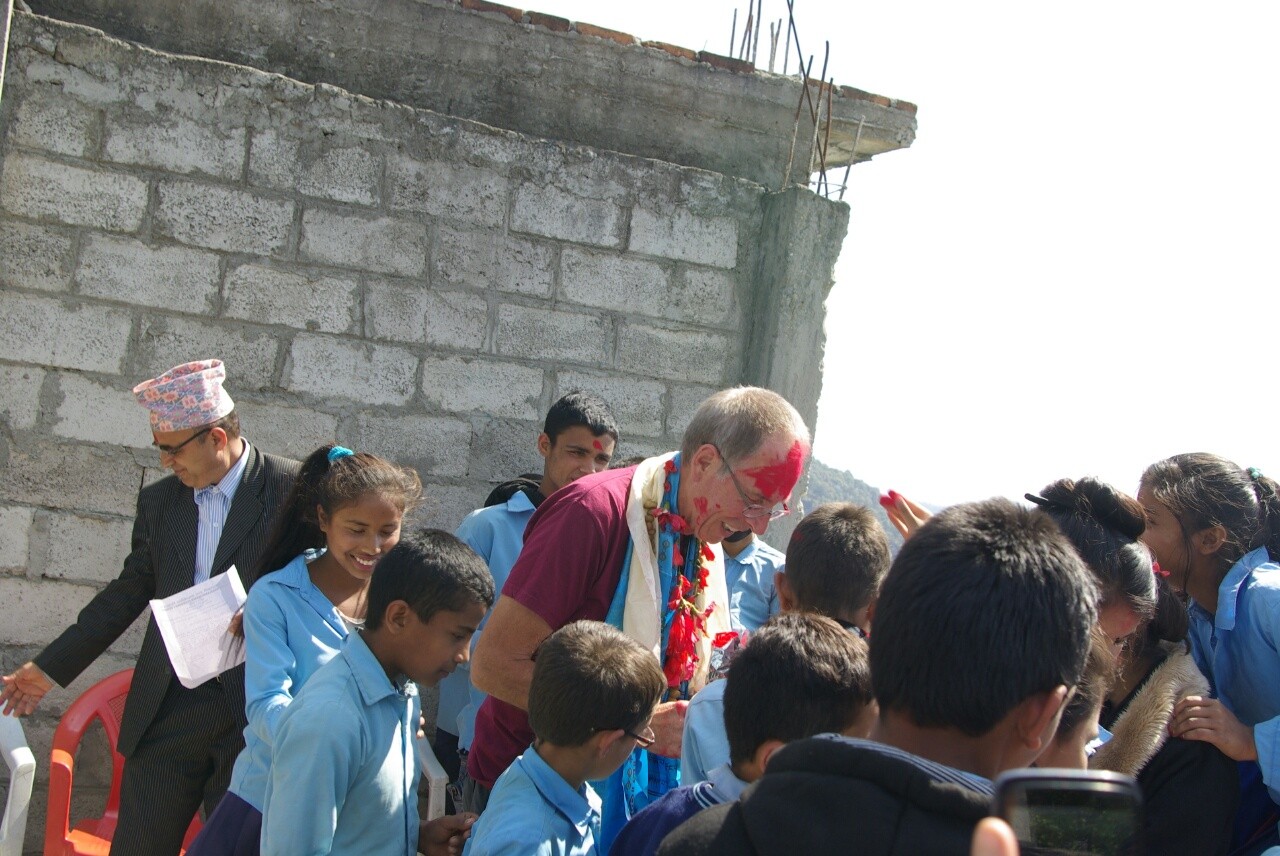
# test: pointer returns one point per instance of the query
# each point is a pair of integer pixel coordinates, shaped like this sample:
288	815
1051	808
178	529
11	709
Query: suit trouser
182	762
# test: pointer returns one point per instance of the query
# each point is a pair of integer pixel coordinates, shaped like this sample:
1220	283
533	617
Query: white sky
1072	270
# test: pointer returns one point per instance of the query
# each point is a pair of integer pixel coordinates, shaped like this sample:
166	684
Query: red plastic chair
104	701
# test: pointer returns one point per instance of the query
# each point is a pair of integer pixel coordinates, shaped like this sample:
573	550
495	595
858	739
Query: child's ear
786	598
1210	539
765	751
606	740
396	618
1036	717
544	444
322	519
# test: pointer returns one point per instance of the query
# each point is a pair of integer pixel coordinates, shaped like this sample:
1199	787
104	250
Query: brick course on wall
403	282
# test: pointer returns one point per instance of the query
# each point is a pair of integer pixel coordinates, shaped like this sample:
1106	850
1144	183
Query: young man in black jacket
981	631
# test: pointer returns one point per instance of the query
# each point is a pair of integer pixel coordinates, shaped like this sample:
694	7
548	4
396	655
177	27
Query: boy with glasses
590	703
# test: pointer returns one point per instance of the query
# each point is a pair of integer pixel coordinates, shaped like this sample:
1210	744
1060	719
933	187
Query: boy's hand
23	689
668	728
904	514
445	836
1207	719
993	837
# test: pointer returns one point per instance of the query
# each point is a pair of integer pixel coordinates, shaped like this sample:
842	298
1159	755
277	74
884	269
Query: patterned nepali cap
186	396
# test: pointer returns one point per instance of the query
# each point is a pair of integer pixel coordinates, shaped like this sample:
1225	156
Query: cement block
480	259
502	389
686	355
70	476
315	167
20	396
382	244
434	445
249	354
129	271
41	189
37	611
549	335
682	401
683	235
62	334
409	312
304	300
370	374
294	432
174	144
503	449
222	218
444	505
51	122
15	534
97	413
707	296
35	257
636	403
613	281
556	213
81	548
450	191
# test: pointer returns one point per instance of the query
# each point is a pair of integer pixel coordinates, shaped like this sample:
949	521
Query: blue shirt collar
369	676
520	501
1229	590
296	576
579	807
726	783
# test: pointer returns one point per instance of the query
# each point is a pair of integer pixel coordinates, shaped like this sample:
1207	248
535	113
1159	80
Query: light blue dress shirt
212	504
1238	649
497	534
291	629
705	744
344	773
749	576
533	811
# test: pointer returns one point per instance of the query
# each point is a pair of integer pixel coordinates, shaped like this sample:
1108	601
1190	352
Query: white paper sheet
193	624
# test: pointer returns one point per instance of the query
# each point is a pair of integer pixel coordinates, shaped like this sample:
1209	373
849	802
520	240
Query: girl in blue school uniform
1214	528
342	517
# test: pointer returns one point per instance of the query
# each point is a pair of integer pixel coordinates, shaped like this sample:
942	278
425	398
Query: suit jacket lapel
243	516
177	560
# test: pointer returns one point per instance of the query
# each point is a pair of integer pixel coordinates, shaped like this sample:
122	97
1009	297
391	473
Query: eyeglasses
854	629
750	509
172	451
645	739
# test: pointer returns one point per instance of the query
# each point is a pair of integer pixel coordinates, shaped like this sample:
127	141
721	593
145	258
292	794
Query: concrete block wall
404	282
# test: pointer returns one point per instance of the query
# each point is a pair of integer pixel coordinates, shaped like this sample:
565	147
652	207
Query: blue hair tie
1255	473
339	452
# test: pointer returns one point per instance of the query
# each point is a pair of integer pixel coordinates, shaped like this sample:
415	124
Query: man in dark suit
215	511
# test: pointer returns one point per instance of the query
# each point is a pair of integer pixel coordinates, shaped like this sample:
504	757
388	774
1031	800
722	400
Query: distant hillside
831	485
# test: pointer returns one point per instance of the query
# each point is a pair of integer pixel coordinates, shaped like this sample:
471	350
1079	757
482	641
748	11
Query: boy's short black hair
836	559
432	571
985	606
580	408
800	675
590	677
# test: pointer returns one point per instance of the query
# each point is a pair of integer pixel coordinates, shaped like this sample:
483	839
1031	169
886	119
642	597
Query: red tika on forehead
778	480
599	447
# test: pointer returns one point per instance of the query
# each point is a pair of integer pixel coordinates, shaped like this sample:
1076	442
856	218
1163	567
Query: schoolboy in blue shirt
836	559
801	675
750	567
590	702
344	773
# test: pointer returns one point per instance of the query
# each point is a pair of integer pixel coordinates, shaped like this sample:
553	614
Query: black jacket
162	563
832	795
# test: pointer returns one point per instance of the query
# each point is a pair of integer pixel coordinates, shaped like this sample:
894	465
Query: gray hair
740	420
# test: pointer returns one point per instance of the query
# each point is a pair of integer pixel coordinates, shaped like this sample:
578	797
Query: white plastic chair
22	774
437	780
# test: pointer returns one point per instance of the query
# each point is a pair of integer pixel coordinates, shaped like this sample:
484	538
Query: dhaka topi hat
186	396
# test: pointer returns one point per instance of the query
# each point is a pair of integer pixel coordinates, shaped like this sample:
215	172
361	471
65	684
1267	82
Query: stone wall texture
399	280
